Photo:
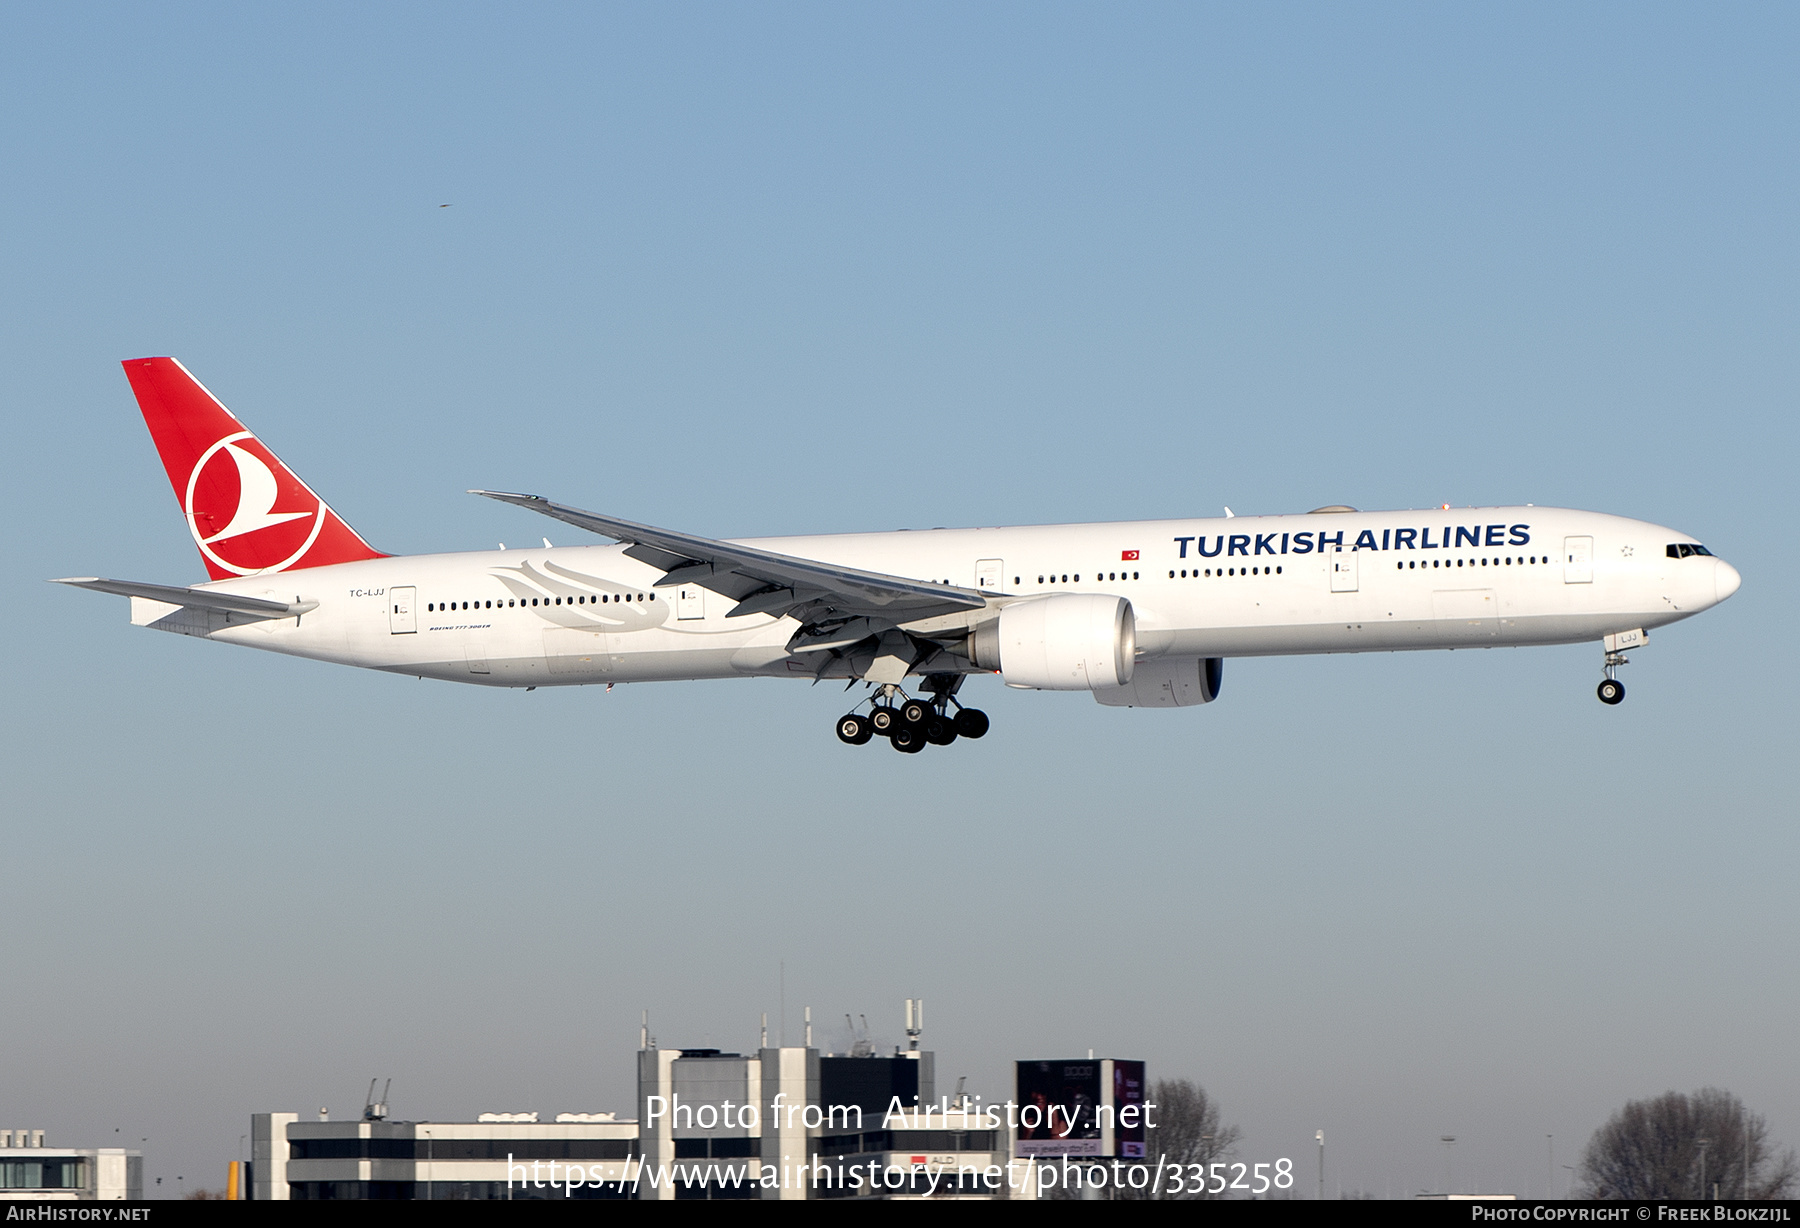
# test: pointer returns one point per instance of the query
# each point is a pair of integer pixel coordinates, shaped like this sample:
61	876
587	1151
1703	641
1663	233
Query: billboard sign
1092	1107
1126	1122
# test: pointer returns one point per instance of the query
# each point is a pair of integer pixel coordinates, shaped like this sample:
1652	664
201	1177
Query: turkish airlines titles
1479	536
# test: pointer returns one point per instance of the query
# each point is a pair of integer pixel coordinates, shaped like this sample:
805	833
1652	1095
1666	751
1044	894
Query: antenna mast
373	1109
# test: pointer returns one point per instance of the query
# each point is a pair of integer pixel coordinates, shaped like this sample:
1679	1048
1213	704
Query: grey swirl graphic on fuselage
617	615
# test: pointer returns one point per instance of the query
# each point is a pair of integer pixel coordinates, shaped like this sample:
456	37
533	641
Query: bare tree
1188	1133
1678	1146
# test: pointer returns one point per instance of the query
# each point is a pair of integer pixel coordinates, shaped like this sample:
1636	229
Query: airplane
1140	614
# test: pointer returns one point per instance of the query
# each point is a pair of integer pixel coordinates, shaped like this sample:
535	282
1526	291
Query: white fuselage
1241	586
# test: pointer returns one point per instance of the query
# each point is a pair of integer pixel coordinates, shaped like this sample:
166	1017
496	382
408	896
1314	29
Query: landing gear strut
910	723
1612	691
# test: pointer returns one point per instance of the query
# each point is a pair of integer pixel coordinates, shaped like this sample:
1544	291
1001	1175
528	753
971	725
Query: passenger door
1578	560
989	575
1343	570
403	618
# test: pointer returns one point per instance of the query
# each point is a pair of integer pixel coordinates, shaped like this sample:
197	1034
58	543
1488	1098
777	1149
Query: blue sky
813	268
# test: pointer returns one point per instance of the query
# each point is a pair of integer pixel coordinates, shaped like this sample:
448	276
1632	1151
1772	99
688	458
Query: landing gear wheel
854	729
916	712
883	720
908	739
1611	691
971	723
939	731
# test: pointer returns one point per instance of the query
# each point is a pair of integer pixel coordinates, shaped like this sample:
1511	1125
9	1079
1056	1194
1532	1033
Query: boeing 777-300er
1142	613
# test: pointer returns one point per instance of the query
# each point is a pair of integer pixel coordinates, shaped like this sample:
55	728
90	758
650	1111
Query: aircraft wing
195	598
762	582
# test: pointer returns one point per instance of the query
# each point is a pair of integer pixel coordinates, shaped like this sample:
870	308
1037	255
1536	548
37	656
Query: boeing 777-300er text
1142	614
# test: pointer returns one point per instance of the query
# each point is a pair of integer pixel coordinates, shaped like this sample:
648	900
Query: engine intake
1064	642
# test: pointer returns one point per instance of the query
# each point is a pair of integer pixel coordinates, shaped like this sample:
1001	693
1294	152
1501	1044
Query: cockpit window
1680	550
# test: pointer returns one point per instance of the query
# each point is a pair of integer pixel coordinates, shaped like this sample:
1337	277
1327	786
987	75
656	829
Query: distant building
440	1160
817	1126
782	1123
30	1169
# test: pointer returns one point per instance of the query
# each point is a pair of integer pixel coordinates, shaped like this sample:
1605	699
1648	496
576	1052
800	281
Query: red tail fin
247	511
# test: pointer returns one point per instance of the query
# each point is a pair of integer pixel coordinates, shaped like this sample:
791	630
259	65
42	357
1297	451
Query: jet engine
1167	682
1063	642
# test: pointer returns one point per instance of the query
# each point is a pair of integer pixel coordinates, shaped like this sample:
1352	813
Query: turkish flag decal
1128	556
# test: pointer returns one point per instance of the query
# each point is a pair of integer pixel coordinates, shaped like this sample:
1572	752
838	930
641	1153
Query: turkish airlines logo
232	503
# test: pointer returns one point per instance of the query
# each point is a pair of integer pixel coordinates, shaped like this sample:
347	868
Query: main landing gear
910	724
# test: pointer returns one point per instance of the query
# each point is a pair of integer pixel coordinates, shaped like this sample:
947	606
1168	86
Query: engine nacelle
1168	682
1063	642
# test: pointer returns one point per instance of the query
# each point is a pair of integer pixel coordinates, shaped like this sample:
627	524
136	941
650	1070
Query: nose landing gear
1612	691
910	724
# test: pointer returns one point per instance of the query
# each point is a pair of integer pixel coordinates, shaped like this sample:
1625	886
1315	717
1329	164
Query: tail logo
232	494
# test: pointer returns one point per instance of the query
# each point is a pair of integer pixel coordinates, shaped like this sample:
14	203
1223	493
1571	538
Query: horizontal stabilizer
194	598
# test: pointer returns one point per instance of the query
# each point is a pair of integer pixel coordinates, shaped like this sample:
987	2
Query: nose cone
1725	579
